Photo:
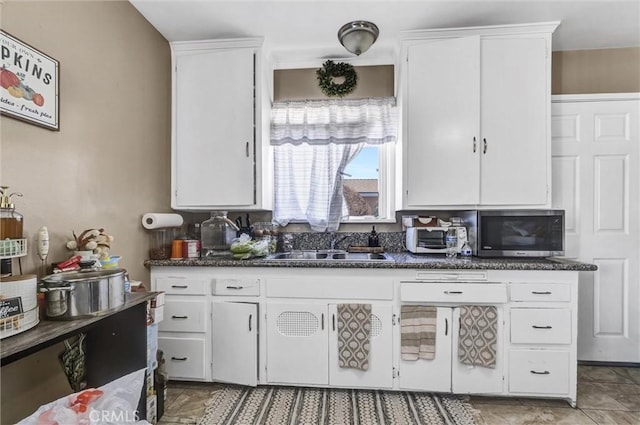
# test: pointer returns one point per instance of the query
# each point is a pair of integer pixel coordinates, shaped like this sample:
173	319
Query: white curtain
313	141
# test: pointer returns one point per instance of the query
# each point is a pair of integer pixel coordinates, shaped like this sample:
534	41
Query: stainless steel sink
331	255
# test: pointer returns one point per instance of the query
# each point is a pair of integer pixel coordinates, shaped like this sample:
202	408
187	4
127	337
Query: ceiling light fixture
358	36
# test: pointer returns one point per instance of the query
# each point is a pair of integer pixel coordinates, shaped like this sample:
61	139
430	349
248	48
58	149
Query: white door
514	150
431	375
597	182
472	379
380	372
442	122
235	342
297	344
213	150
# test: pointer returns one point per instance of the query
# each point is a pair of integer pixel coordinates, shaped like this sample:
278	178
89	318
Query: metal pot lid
80	276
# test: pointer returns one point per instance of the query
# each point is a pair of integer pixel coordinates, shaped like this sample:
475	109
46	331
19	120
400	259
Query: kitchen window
333	160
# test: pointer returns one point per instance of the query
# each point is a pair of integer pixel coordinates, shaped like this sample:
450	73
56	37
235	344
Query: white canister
18	304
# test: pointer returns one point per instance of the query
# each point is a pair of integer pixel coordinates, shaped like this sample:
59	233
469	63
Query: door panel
297	345
235	343
443	117
431	375
477	379
379	374
595	142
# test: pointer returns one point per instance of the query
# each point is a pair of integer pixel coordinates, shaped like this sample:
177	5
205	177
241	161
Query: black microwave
520	233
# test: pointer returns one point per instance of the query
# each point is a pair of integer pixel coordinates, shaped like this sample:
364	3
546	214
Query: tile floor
606	395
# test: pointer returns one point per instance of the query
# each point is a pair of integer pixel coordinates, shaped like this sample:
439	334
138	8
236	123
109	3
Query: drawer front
184	357
544	292
541	326
184	316
182	286
476	293
237	287
539	371
371	288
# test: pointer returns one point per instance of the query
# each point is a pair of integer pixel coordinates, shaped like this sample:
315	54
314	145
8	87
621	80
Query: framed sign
28	83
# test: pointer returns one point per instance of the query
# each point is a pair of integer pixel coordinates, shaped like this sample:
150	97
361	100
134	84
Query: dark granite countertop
403	260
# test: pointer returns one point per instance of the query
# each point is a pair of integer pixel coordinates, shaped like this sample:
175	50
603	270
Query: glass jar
216	235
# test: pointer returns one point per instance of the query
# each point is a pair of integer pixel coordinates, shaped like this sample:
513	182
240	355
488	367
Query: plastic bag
113	403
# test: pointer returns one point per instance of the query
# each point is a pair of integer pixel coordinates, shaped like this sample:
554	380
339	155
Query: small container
217	234
451	240
190	248
267	231
160	243
11	221
176	249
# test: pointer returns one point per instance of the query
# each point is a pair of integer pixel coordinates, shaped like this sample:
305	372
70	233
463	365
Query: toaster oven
432	240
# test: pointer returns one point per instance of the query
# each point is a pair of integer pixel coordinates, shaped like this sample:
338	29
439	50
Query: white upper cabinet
217	151
476	117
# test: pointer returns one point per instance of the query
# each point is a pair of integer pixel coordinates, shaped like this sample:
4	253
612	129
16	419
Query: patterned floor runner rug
301	406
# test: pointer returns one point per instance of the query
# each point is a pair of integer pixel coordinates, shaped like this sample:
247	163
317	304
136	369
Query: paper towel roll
159	220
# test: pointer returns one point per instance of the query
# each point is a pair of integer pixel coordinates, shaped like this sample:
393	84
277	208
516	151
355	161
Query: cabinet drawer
541	326
184	316
184	357
553	292
238	287
476	293
181	286
539	371
371	288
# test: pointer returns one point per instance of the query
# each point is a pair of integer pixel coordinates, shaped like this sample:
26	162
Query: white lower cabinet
227	324
539	371
185	357
234	336
302	346
445	373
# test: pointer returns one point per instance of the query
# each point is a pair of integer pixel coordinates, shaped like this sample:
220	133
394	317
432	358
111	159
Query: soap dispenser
10	219
373	238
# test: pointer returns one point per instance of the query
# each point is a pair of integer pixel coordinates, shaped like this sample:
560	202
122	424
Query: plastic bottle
451	240
373	238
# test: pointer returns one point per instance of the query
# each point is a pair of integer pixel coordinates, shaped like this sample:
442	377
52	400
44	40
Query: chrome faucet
336	240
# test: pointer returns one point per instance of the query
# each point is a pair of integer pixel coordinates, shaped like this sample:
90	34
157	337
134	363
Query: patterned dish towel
418	324
354	335
478	335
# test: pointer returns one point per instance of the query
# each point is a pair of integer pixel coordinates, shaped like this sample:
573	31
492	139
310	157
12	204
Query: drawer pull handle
180	359
453	292
234	287
250	317
541	292
179	286
446	327
541	327
535	372
179	317
333	320
322	321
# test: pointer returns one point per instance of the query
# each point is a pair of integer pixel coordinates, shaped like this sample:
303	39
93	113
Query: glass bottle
11	221
217	234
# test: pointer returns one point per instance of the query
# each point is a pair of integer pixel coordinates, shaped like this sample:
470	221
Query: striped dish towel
418	324
478	335
354	335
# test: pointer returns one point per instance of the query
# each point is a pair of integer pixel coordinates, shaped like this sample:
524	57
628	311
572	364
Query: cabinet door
431	375
380	371
297	343
515	112
235	343
441	122
477	379
213	148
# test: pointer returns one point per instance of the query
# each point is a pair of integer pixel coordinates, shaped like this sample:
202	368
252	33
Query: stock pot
78	294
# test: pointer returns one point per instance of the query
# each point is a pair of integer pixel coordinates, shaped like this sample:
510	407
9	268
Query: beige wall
110	161
596	71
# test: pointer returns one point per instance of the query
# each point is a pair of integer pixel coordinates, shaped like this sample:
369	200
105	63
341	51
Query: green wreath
330	70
